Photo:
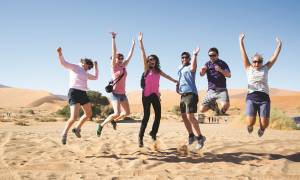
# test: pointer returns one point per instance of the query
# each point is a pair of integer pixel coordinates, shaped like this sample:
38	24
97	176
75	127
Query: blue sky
32	30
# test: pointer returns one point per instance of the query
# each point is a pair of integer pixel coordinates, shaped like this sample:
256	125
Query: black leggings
147	101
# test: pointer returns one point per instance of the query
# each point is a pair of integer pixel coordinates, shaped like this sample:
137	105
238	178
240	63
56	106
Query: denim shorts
262	108
118	97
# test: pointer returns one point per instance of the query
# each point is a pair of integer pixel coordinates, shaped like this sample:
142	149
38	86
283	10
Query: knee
265	123
72	118
203	108
127	113
225	106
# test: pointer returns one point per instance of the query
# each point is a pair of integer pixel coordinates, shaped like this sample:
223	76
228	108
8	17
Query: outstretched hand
140	36
95	64
59	51
278	40
196	50
113	34
242	36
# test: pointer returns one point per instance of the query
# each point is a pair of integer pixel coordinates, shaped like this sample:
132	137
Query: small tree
98	103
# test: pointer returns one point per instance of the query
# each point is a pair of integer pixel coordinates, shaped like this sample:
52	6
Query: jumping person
189	97
77	92
258	100
216	71
118	97
152	73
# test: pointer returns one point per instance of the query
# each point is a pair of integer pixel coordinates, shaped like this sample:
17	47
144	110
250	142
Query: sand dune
35	152
15	98
283	99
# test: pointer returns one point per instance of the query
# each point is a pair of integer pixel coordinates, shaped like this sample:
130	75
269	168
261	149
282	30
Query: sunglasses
212	55
259	62
185	57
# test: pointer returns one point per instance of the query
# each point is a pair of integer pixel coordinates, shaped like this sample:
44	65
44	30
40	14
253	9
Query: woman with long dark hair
151	95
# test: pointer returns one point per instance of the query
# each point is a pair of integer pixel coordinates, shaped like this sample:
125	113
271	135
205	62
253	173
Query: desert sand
34	151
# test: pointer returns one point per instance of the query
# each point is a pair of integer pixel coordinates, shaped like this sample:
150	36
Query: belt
186	94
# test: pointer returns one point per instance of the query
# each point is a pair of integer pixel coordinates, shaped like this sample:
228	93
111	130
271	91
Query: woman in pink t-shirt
118	97
151	95
77	92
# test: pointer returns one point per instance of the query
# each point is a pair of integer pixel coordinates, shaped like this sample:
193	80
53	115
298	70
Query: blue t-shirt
216	80
187	80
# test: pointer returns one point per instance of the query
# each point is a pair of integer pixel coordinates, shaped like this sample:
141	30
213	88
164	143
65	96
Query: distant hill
2	86
281	98
16	97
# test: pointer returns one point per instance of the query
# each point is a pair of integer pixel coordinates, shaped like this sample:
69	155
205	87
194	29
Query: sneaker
260	132
76	131
64	139
141	143
114	124
249	129
191	139
99	130
201	143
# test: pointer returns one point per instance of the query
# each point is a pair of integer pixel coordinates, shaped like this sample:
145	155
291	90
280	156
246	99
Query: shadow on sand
172	156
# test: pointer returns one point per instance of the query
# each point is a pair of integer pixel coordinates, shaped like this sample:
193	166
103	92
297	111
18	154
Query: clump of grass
279	120
30	111
176	110
22	123
22	116
46	119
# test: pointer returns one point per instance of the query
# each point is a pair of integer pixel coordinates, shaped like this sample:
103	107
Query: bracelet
196	54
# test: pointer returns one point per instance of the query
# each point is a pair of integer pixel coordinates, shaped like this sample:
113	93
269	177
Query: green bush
100	106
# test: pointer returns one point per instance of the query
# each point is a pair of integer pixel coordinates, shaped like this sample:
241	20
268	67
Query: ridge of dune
17	97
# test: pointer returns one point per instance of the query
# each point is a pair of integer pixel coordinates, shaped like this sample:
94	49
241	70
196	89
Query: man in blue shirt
189	97
216	71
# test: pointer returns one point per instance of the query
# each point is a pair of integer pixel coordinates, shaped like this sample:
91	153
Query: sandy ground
35	152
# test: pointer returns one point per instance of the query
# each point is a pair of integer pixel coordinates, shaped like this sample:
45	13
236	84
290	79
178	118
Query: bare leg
224	107
204	108
125	110
187	123
87	109
74	110
116	107
264	123
194	123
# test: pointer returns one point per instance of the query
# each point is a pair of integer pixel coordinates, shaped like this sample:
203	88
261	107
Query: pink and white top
119	87
78	76
152	83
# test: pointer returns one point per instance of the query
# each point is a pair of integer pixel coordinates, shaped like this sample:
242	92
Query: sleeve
66	64
226	67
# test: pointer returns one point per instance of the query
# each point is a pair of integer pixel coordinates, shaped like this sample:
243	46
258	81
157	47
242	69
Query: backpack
143	80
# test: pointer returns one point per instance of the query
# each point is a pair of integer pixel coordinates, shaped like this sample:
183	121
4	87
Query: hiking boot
191	139
114	124
249	129
141	143
76	131
260	132
64	139
200	142
99	130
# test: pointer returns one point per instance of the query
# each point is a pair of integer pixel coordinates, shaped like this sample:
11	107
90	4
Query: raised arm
194	59
62	60
168	77
274	57
129	54
114	50
144	57
94	77
243	51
